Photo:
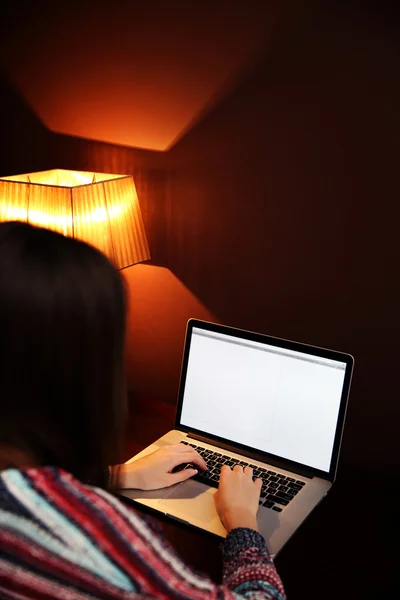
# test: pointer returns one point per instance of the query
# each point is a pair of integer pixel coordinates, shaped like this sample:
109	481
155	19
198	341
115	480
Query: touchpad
193	502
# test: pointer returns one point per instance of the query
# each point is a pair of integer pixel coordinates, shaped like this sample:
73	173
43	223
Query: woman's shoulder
49	517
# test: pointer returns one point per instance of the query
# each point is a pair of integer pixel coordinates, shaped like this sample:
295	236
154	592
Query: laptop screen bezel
272	459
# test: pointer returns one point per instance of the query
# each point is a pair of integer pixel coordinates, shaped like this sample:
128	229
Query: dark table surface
345	549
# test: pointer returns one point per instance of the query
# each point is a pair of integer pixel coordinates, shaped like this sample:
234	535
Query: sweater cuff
242	538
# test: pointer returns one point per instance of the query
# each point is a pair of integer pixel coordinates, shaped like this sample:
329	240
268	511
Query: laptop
251	399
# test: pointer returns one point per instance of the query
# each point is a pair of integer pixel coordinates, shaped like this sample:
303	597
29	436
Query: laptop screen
267	397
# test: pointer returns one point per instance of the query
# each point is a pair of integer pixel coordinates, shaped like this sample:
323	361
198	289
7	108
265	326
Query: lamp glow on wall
100	209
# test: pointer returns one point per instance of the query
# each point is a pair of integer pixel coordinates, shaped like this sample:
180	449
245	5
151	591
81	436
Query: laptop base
192	502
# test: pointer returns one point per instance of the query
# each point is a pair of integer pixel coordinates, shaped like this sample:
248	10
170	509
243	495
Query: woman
63	408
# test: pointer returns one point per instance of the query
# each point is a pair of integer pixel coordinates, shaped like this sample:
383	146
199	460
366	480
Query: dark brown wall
275	213
283	203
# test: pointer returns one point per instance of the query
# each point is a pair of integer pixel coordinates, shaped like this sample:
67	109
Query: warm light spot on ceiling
138	76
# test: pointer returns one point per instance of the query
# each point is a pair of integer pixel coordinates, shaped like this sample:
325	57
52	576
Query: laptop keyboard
276	492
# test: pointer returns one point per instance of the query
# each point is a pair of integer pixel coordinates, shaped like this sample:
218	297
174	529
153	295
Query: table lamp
100	209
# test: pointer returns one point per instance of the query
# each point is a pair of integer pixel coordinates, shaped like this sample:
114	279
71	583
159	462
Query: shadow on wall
25	141
159	307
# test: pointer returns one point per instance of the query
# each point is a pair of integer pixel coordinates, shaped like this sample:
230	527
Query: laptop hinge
276	462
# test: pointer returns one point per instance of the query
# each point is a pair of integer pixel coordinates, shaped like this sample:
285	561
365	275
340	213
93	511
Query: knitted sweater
60	539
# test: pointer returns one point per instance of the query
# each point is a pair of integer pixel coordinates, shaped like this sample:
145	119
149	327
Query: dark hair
62	325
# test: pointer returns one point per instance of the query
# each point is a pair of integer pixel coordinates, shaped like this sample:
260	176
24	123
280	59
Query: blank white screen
271	399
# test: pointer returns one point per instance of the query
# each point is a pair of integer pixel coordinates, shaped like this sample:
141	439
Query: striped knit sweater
60	539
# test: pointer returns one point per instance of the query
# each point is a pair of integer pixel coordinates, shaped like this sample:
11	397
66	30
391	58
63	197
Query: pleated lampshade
98	208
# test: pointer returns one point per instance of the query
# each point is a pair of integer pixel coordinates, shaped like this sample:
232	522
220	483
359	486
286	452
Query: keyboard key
203	476
283	488
273	485
293	486
290	479
298	482
229	463
277	508
274	479
268	504
284	496
277	499
292	492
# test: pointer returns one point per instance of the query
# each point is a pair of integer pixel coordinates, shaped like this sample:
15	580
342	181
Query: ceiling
133	73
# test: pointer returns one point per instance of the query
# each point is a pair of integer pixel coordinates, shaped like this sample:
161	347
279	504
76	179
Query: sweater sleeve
248	570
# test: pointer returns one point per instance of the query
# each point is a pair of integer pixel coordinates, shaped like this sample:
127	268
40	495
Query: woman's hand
237	498
154	470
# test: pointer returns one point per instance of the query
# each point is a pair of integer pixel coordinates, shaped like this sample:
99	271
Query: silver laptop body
274	404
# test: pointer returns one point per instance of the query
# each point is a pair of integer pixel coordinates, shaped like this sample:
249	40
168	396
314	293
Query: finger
198	460
248	471
187	457
258	482
183	449
225	472
238	469
182	475
180	447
